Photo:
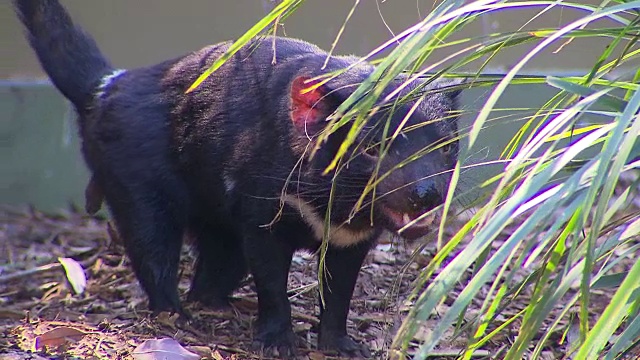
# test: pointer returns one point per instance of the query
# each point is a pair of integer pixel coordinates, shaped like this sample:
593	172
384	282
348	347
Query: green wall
41	161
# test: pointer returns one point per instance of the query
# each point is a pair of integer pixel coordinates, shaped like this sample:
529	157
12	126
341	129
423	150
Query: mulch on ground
42	317
35	296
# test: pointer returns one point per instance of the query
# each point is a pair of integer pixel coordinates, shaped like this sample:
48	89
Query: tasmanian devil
230	164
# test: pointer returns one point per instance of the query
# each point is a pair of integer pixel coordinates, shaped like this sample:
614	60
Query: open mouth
417	225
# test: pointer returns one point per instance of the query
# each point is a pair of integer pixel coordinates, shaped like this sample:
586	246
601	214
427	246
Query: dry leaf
203	351
217	356
75	274
58	336
163	349
168	319
316	356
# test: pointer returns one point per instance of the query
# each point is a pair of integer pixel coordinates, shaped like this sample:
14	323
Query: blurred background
40	157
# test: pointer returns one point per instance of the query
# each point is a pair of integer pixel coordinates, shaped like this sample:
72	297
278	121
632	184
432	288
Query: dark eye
372	150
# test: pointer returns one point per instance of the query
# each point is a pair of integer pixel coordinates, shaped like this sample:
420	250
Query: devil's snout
425	195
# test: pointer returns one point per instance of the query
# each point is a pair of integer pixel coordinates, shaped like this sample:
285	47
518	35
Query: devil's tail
69	56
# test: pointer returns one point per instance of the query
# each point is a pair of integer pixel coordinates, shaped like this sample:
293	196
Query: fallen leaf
58	336
316	356
203	351
75	274
162	349
168	319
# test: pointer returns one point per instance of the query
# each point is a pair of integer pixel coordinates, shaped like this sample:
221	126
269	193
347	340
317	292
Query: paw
344	346
282	345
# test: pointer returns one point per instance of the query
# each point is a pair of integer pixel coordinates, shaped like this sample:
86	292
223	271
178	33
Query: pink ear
309	108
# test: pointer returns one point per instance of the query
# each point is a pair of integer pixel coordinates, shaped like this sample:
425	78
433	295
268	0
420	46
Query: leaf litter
67	291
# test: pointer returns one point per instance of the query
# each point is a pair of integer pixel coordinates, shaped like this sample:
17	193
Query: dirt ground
40	312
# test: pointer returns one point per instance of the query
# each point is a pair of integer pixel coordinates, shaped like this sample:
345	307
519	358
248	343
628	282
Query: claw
345	346
279	346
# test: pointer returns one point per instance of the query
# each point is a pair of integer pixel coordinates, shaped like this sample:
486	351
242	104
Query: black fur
228	164
66	44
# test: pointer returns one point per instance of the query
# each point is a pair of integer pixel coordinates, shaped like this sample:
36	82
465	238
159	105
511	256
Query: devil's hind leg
220	267
150	214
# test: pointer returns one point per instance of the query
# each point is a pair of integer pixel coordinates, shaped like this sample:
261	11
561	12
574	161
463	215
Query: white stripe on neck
339	235
106	81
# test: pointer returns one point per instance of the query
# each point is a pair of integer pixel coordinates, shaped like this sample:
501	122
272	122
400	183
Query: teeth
428	220
405	218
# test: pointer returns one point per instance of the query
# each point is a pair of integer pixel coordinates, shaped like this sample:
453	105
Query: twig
230	349
29	272
307	318
45	268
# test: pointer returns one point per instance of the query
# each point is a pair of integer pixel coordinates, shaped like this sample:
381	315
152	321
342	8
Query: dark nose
425	195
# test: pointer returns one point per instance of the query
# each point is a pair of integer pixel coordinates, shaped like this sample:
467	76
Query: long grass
569	228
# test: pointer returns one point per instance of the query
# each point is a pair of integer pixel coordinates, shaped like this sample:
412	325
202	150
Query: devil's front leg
269	259
343	266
